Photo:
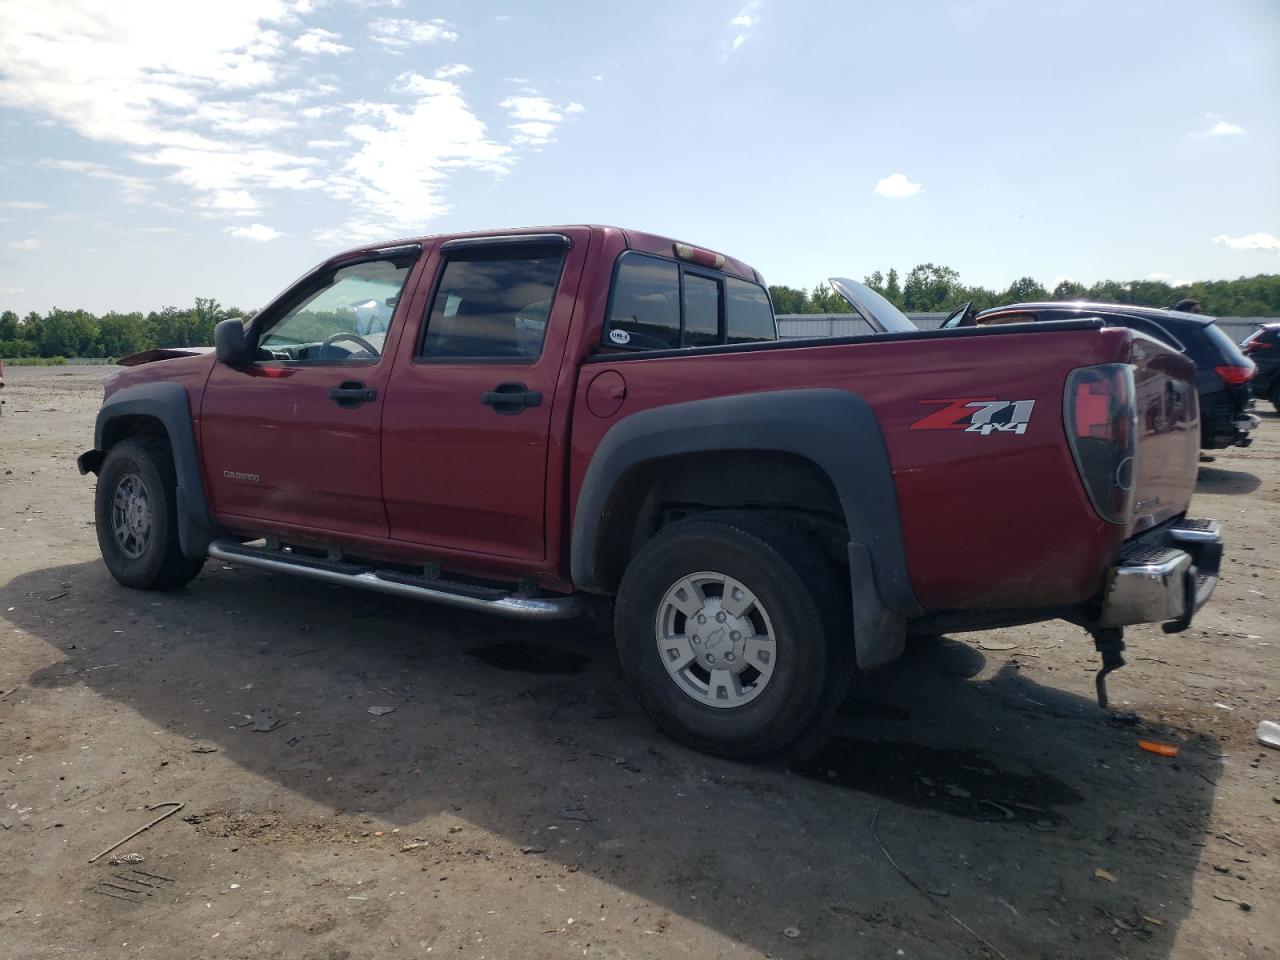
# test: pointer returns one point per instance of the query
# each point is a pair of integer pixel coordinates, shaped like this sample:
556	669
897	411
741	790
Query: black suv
1222	371
1263	348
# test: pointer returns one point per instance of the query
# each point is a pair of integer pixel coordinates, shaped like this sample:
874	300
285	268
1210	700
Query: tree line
929	288
79	333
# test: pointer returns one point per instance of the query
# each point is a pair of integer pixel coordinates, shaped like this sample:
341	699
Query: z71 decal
984	415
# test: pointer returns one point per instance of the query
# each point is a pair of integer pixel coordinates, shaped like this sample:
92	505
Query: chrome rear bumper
1165	578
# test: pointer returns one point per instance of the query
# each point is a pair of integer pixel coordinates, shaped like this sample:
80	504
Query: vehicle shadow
1222	480
996	794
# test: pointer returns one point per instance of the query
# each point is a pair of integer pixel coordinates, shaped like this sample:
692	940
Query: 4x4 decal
984	415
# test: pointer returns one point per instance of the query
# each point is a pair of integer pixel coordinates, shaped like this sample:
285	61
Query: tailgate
1168	437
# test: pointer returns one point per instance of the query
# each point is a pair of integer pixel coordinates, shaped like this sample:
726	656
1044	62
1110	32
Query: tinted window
346	320
645	311
1225	347
1154	330
493	305
701	311
749	315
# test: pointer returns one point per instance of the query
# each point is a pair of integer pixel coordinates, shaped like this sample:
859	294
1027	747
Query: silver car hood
875	309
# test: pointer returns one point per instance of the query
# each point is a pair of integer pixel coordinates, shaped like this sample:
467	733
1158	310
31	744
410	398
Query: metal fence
796	326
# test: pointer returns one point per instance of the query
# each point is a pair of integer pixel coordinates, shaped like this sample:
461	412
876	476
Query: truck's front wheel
135	509
732	627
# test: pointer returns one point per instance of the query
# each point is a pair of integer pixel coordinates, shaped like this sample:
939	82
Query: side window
493	304
649	312
748	312
701	311
345	321
645	311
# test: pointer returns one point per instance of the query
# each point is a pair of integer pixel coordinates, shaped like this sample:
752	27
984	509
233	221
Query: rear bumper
1226	419
1165	577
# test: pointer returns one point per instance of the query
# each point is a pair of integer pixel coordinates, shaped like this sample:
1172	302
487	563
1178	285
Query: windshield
875	309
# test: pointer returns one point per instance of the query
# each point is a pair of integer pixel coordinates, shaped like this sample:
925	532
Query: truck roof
634	240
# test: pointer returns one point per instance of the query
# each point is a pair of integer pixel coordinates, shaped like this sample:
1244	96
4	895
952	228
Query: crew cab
527	422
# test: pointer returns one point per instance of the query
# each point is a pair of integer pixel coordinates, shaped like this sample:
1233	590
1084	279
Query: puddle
524	657
872	710
961	783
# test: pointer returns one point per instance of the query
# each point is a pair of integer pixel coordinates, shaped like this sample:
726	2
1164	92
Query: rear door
465	428
292	440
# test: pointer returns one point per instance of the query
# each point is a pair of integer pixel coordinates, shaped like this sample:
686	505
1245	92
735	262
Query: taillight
1102	429
1253	346
1235	375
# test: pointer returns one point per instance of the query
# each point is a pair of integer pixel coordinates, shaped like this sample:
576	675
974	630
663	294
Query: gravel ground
973	801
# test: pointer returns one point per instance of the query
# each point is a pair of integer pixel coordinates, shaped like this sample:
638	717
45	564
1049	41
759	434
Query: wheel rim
131	516
715	640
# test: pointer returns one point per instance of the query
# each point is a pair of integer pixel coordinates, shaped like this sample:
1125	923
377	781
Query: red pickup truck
518	421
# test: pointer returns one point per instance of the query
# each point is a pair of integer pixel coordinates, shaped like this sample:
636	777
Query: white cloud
1159	275
1250	241
257	231
451	71
132	189
747	19
24	205
896	186
406	158
574	108
535	118
327	144
396	34
9	291
1220	128
318	41
29	245
123	77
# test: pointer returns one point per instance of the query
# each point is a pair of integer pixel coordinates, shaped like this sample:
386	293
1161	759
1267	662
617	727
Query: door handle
511	398
352	393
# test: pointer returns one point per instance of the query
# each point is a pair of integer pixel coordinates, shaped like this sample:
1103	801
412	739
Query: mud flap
879	634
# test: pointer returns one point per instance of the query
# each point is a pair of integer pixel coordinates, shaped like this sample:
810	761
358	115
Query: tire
1275	395
798	615
135	509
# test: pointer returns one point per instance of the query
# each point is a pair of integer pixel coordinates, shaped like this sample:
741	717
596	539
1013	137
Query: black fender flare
166	402
835	429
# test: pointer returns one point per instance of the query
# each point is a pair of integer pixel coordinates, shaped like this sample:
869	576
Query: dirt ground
973	801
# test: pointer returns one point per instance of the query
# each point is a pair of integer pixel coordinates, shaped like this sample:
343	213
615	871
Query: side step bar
517	605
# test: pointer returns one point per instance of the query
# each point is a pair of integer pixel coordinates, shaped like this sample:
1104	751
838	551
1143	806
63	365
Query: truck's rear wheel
135	508
732	628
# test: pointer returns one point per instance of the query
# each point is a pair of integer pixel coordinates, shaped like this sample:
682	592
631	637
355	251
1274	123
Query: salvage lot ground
516	803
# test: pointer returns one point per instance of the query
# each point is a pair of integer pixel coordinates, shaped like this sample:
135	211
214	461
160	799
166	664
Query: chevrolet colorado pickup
522	420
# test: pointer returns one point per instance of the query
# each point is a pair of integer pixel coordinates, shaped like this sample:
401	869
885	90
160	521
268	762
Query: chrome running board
517	605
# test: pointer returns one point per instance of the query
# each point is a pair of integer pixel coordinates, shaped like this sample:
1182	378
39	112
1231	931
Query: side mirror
229	343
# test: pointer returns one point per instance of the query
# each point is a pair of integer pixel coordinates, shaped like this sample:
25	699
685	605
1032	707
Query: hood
162	353
883	316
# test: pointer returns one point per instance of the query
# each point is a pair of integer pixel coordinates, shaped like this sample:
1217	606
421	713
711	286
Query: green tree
892	290
1026	289
929	288
1069	290
120	334
68	333
789	300
8	325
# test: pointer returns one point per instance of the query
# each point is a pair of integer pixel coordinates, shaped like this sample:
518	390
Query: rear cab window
661	304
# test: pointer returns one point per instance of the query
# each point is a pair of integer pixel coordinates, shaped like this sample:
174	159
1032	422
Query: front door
293	438
466	425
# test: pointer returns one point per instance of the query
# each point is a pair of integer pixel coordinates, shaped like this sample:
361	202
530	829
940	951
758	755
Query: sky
153	151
